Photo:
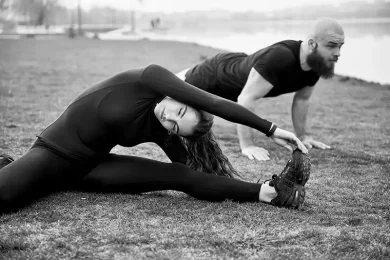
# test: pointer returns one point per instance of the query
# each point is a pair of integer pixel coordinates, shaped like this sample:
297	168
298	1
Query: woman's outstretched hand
286	139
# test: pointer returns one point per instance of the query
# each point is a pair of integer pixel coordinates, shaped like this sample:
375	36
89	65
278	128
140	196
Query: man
284	67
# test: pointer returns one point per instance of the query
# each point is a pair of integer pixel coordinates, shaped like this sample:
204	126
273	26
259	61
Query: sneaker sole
299	197
302	165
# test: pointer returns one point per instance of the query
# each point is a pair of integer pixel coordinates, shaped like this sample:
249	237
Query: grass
347	210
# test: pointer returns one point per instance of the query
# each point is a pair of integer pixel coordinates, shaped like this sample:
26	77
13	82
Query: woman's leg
129	174
37	173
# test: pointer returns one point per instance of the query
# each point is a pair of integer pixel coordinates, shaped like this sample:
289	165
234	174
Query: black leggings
41	171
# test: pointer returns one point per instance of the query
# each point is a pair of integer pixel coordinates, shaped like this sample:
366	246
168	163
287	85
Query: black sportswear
226	74
74	151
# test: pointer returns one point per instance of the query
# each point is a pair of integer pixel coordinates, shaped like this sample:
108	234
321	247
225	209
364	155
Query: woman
136	106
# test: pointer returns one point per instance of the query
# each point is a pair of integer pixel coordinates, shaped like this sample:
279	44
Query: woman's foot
5	160
289	195
289	185
301	163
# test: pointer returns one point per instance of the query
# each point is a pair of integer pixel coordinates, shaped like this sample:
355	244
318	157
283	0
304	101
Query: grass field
347	210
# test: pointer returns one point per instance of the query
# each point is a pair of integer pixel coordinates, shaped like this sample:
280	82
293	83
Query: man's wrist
245	136
302	136
244	146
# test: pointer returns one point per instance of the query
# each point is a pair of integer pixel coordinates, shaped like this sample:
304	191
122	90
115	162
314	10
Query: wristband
272	130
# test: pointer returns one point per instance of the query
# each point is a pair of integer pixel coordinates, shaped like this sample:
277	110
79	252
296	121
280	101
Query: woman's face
176	117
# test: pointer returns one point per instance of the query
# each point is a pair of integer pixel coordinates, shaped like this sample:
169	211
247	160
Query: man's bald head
323	46
325	29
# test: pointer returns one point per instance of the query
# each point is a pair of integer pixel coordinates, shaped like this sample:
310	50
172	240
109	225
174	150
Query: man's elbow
245	101
242	100
301	97
303	94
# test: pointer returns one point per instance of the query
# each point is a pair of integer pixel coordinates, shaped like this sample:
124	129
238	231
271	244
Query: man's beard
318	64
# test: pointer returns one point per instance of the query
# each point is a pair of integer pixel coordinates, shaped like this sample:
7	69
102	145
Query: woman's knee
93	183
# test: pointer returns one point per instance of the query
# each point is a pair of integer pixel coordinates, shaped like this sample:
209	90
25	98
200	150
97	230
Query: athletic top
225	74
120	111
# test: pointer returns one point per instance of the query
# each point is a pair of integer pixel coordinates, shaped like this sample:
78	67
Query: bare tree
132	14
4	4
79	18
35	11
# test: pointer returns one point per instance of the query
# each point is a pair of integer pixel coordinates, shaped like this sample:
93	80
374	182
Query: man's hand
256	152
309	142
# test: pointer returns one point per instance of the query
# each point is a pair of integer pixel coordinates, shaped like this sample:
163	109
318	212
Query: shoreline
339	77
358	81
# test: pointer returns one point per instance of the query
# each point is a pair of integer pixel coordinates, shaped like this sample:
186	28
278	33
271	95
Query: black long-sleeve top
120	111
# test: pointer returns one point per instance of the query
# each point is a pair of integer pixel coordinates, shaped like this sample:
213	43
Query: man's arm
255	88
299	110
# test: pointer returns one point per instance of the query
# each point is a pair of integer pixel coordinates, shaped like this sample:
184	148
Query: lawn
347	209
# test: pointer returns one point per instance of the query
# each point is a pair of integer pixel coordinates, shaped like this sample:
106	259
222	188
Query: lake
365	54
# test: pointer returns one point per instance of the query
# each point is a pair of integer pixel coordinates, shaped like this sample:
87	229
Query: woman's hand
286	139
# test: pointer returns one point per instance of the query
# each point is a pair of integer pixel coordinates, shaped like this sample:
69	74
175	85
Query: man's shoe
5	160
290	183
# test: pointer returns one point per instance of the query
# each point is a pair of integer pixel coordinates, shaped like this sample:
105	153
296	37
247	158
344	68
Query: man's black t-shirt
225	74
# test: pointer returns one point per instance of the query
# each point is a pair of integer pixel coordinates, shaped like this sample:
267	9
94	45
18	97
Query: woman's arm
166	83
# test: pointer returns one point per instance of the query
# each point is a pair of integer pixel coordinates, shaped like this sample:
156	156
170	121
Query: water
365	54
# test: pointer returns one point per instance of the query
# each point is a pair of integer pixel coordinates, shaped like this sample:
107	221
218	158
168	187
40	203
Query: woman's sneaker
301	162
5	160
290	183
290	194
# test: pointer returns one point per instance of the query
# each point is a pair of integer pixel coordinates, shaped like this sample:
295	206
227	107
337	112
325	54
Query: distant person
152	23
284	67
155	23
71	32
138	106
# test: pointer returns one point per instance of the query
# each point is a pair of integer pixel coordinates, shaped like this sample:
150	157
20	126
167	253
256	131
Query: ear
312	44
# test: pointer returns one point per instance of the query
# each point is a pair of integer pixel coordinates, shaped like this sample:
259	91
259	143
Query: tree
4	4
132	12
79	19
35	11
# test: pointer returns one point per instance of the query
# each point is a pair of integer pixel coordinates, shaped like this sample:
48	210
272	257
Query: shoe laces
286	167
271	182
274	179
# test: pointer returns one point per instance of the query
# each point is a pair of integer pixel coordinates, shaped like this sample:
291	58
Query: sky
195	5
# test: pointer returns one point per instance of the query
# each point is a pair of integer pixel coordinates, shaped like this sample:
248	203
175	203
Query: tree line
53	12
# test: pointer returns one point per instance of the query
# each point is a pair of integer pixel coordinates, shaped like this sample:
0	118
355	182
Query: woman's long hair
203	151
